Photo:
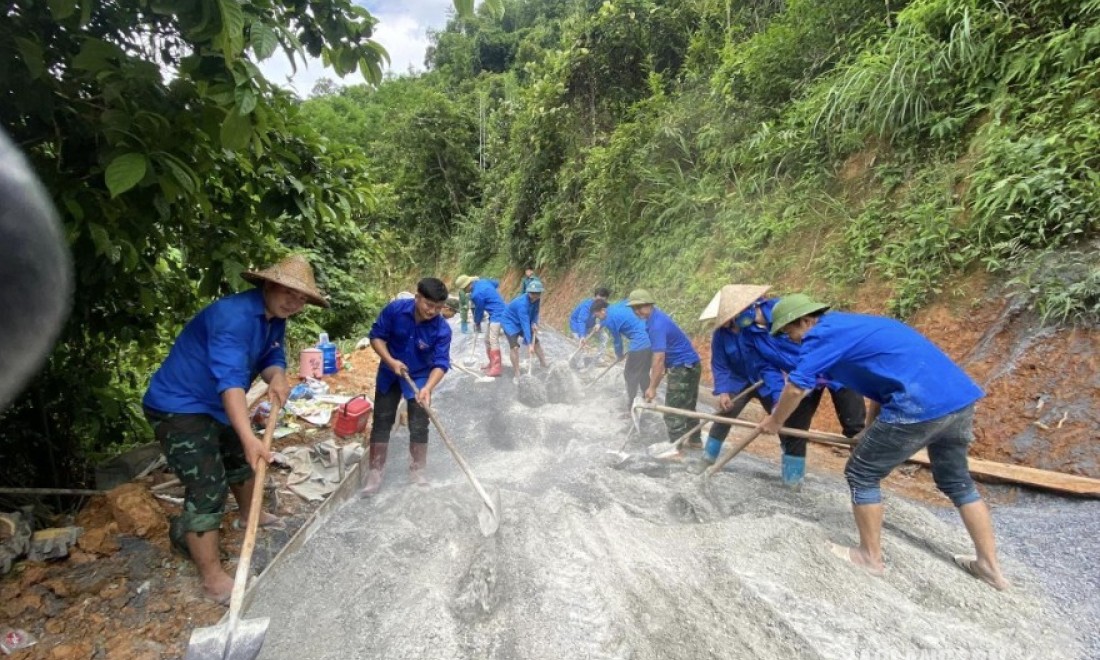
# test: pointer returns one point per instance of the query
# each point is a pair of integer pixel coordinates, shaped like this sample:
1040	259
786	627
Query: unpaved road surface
597	558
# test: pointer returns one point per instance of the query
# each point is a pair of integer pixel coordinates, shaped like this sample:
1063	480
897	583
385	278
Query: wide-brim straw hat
731	300
294	272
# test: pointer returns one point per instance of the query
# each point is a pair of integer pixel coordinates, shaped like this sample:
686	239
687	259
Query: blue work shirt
731	363
225	346
581	320
621	321
421	346
667	337
486	298
770	356
885	361
520	314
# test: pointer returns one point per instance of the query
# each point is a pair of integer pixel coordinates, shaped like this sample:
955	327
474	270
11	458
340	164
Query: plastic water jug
328	353
311	363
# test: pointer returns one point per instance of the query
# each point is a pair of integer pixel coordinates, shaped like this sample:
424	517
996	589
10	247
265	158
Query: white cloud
402	30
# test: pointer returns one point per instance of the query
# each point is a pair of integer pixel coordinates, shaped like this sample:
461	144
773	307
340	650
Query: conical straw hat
294	272
731	300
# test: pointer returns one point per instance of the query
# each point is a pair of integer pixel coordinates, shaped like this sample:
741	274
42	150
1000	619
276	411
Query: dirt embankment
1042	384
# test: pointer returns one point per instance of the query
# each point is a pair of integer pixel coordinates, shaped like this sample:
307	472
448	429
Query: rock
136	512
58	586
53	543
55	626
33	573
78	651
15	537
100	541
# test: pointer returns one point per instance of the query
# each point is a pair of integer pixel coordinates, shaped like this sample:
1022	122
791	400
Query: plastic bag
13	639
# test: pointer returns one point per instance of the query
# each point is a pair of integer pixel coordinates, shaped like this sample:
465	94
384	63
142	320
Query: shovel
471	357
582	344
489	516
602	373
664	450
233	638
729	453
480	378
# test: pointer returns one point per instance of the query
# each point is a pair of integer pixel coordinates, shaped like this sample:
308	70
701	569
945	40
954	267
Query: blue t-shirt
581	320
771	356
622	322
421	346
885	361
667	337
519	315
225	346
486	298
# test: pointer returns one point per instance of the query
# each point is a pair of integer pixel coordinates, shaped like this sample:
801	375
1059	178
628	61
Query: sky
402	30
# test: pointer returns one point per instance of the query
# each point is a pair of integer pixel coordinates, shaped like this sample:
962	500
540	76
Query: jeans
636	373
886	446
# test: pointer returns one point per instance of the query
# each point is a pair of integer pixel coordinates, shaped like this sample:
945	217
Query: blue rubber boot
794	469
465	327
712	449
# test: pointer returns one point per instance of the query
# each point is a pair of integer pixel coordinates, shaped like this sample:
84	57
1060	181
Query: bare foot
857	557
218	587
267	521
984	573
374	483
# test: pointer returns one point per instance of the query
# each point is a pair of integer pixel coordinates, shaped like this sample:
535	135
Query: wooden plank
983	470
1028	476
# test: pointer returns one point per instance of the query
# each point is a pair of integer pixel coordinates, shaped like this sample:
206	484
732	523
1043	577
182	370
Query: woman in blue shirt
920	399
196	406
620	321
521	319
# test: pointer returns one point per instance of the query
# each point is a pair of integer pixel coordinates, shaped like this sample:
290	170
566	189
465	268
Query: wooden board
983	470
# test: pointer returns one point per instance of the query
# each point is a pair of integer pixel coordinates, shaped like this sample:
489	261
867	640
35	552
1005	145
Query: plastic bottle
328	355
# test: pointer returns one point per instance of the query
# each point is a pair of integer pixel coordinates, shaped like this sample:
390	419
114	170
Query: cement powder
597	557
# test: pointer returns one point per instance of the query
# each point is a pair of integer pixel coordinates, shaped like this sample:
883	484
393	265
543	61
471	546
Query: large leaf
31	53
62	9
236	130
232	35
465	8
263	40
125	172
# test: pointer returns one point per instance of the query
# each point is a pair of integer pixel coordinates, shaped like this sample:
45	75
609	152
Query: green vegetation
175	165
812	144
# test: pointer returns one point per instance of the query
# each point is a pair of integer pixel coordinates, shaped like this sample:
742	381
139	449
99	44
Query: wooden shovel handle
244	563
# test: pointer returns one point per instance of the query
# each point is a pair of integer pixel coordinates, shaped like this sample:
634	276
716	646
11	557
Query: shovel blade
489	517
664	451
226	641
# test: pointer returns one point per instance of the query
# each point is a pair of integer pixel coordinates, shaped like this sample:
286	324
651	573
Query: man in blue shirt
488	303
521	319
196	406
410	336
581	320
920	399
528	277
672	354
620	321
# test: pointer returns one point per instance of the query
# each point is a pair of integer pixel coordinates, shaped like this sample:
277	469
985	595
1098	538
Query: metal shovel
233	638
664	450
489	516
471	357
602	373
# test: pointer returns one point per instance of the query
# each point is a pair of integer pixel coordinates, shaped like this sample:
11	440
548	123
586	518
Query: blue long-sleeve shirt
885	361
770	356
622	322
667	337
224	346
581	320
421	346
486	298
519	315
733	370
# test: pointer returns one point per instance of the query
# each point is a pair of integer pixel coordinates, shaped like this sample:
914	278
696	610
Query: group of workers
783	352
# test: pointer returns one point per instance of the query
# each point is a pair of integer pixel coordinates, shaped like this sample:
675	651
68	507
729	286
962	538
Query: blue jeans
886	446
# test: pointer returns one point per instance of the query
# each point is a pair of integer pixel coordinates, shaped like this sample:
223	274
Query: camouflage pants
682	391
207	457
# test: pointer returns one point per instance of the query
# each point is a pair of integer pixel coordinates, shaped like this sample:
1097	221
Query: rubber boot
793	470
494	364
419	453
377	463
712	449
489	356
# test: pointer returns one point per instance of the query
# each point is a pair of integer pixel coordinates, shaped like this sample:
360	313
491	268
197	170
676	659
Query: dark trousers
636	373
849	406
385	414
